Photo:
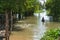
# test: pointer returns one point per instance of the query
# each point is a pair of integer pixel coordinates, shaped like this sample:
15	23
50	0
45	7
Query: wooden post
7	25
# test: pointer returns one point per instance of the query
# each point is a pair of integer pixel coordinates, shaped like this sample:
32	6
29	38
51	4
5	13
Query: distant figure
43	20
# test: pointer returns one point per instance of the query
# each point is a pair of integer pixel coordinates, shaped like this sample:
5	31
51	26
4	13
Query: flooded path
26	29
31	29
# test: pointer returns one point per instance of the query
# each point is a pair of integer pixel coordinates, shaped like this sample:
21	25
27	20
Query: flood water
31	29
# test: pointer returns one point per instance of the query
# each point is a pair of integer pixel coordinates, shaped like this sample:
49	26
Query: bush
52	34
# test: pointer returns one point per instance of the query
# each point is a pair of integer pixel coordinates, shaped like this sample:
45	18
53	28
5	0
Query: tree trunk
11	22
7	25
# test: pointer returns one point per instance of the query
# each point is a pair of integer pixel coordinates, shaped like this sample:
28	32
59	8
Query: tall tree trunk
11	22
7	25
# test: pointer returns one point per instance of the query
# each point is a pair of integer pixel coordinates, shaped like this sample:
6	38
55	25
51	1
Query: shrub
52	34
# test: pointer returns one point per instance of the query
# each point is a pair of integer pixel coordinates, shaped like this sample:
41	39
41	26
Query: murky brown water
31	29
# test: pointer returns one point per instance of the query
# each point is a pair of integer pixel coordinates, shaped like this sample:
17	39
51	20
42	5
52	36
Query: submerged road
31	29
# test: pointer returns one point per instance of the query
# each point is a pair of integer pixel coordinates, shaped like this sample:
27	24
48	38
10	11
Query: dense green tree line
53	7
10	5
18	5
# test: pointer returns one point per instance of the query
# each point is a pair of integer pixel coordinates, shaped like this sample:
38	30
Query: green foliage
53	6
20	6
14	5
38	11
32	5
51	34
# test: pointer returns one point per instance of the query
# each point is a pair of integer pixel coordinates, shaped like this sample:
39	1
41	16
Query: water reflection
39	30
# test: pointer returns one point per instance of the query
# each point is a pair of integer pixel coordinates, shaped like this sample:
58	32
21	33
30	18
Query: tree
53	6
31	6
